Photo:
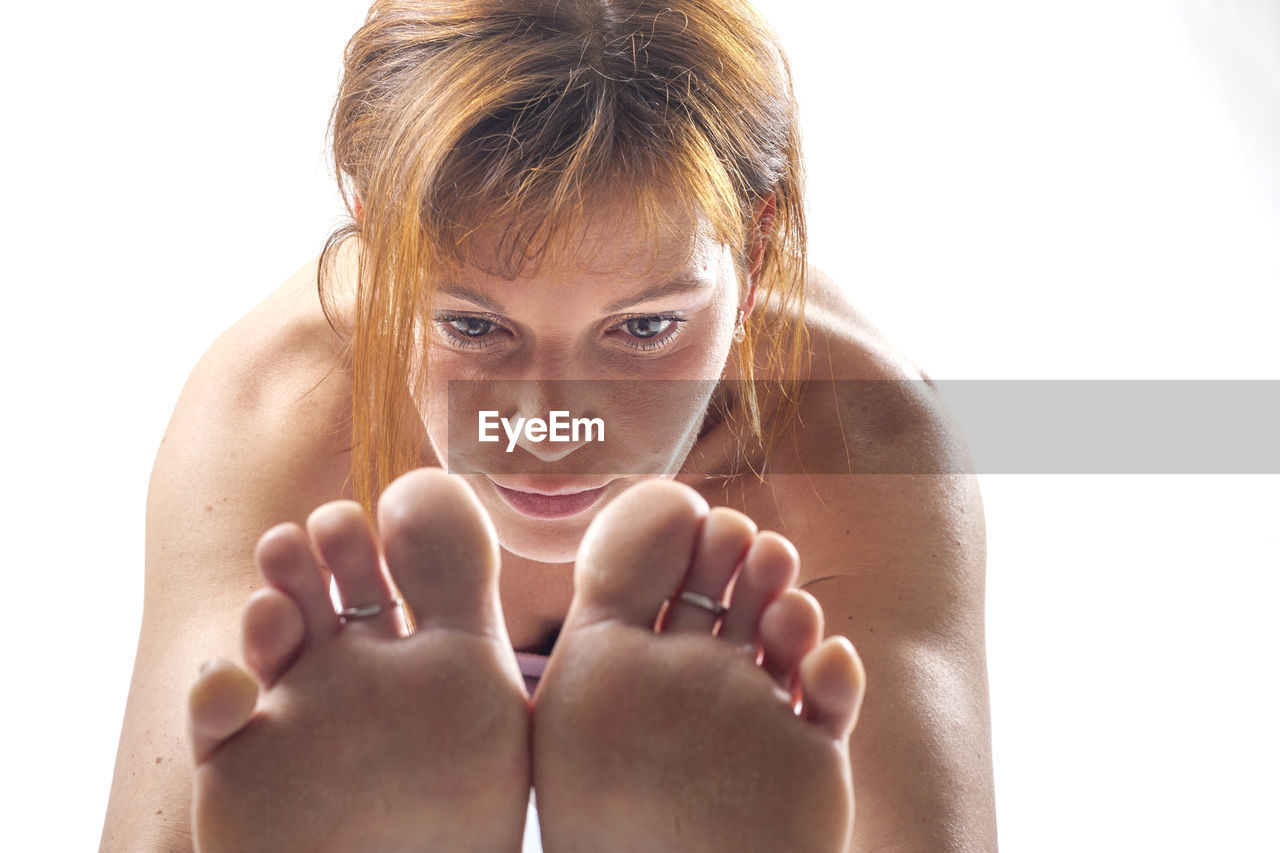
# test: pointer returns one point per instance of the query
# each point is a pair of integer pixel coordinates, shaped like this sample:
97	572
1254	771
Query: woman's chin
540	550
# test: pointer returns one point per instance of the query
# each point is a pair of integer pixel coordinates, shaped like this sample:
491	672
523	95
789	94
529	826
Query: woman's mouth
545	506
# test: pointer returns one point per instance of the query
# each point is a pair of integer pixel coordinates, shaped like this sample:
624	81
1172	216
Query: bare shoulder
872	440
875	479
883	493
872	480
281	349
867	402
261	422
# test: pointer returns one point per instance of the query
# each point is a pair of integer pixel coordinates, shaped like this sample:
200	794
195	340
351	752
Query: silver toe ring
704	602
364	611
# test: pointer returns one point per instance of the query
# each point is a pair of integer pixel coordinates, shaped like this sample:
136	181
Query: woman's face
625	341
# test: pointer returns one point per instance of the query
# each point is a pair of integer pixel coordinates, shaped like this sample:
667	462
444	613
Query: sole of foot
662	724
355	734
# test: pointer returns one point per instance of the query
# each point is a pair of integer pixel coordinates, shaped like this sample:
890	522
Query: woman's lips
550	506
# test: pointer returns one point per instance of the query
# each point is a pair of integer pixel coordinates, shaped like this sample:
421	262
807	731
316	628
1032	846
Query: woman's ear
359	207
762	219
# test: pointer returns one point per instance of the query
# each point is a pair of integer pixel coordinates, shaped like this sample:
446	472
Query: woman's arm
255	439
898	561
909	594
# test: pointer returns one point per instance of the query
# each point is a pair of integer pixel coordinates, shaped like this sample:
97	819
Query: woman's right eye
467	331
472	327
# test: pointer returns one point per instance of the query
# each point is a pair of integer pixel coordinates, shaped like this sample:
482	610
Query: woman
591	208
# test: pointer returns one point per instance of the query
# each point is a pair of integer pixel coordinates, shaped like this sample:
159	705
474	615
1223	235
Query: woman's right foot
678	738
352	736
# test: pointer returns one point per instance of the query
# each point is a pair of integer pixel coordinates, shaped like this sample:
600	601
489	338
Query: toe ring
704	602
364	611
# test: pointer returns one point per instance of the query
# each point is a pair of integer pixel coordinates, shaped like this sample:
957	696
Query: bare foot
350	736
678	739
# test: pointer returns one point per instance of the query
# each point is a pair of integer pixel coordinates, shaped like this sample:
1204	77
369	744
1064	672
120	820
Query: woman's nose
553	413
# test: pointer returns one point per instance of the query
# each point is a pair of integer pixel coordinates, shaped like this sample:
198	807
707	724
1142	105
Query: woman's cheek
651	424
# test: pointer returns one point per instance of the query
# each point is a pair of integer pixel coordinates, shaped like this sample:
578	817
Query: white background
1085	189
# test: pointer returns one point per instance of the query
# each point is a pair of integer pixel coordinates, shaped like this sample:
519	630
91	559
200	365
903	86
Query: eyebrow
472	296
671	287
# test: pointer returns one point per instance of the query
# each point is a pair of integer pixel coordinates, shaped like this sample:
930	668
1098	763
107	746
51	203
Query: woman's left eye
652	331
647	327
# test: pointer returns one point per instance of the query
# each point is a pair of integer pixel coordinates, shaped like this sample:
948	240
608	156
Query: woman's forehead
611	239
610	287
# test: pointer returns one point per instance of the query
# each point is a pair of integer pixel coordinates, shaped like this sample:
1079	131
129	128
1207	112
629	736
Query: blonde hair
456	114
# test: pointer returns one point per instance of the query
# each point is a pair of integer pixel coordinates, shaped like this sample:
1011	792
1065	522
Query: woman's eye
648	327
650	332
467	331
472	327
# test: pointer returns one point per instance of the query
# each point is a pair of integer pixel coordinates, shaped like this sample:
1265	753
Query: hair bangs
513	205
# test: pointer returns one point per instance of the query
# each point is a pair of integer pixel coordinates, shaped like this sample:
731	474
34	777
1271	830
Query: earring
740	332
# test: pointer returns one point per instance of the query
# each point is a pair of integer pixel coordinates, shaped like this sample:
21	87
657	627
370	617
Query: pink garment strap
531	667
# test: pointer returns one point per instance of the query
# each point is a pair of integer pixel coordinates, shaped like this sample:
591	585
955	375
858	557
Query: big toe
442	550
635	554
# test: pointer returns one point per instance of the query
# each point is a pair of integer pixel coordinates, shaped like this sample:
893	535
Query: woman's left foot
672	737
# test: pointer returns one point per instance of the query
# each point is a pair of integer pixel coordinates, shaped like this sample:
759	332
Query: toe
272	633
442	550
769	568
790	627
220	704
725	537
833	683
346	543
284	559
635	553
